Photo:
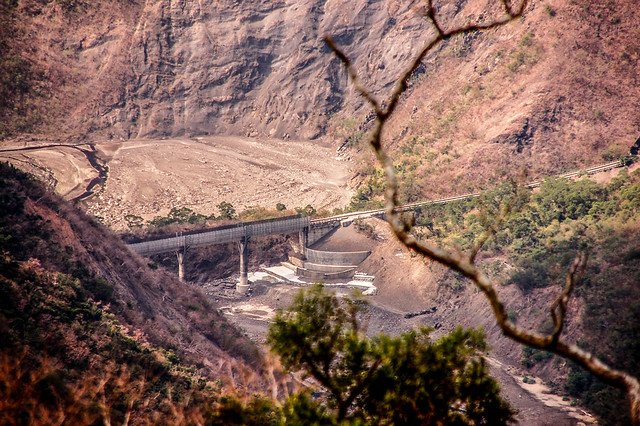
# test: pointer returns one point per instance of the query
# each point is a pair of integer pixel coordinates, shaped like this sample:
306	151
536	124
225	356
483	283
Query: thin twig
558	308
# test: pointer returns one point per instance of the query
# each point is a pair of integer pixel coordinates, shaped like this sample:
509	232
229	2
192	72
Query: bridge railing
222	235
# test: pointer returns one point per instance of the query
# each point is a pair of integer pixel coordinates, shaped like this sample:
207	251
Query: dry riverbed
149	177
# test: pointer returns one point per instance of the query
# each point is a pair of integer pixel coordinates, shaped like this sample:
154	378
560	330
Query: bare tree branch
465	264
354	76
558	308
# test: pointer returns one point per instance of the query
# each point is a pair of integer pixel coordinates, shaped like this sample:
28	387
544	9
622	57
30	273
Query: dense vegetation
539	234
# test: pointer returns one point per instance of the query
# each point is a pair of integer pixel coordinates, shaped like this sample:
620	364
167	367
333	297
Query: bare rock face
254	68
171	68
556	90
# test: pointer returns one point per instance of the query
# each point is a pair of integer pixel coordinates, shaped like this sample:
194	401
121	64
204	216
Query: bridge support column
303	237
243	284
180	254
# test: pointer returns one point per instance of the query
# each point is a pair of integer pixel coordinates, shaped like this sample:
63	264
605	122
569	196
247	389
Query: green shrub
308	210
100	289
227	211
134	221
176	215
531	356
533	276
409	379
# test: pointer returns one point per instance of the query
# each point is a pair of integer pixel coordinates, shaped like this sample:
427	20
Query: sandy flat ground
149	177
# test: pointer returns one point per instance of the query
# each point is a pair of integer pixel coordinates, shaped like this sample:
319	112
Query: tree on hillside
227	211
465	263
409	379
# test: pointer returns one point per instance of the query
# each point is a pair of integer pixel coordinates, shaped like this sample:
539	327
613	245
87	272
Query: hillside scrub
63	355
540	237
555	222
86	334
36	224
466	263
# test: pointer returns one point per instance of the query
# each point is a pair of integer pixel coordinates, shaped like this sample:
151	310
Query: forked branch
464	264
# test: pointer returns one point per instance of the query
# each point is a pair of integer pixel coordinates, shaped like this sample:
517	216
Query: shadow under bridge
240	233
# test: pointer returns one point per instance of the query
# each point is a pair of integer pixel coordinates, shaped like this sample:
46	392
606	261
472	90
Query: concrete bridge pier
180	253
243	284
303	237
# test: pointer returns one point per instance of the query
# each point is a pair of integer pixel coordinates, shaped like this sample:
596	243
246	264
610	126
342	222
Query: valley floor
149	177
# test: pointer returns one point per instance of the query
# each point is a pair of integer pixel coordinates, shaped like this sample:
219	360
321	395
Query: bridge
241	233
309	230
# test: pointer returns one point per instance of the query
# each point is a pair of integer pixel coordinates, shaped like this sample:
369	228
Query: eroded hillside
567	72
67	281
554	91
551	92
140	69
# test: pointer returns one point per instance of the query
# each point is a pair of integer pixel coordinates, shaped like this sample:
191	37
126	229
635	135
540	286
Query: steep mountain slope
42	236
139	69
555	90
173	68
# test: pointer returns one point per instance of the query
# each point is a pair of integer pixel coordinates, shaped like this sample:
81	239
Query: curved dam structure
347	258
327	265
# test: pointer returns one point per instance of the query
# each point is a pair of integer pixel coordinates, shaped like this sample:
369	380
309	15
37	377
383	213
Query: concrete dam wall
352	258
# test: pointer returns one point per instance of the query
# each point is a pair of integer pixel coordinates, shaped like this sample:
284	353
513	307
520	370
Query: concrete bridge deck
222	235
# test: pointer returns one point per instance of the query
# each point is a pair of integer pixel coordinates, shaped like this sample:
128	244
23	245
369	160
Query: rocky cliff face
133	69
251	68
555	90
